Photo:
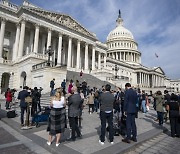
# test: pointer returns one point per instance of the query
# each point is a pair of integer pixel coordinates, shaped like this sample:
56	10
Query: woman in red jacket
8	96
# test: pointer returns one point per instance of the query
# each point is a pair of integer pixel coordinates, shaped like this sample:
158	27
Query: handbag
28	99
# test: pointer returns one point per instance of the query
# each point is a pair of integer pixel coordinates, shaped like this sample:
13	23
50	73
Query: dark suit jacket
130	101
74	103
21	96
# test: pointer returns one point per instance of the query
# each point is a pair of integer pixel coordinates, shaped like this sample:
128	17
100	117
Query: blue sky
155	25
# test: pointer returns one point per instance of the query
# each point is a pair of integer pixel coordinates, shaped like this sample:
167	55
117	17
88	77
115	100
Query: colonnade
148	80
46	41
125	56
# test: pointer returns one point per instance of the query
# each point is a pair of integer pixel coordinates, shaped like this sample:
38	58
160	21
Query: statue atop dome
119	21
119	16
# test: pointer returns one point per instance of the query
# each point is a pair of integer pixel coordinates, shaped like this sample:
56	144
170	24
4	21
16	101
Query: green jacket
159	102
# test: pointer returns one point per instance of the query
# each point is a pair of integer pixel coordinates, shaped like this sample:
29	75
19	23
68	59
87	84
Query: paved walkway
34	140
162	144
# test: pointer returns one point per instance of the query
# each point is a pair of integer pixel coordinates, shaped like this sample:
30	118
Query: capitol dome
120	32
121	44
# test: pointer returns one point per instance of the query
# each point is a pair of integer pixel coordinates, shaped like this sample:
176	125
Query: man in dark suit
23	105
74	103
130	110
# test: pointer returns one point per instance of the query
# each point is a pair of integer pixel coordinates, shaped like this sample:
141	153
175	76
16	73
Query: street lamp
116	70
50	53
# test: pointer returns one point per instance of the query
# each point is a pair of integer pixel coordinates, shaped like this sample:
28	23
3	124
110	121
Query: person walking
23	105
74	104
106	114
57	117
130	110
160	103
52	83
173	106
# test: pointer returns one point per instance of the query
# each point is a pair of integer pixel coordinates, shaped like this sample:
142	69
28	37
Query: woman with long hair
57	117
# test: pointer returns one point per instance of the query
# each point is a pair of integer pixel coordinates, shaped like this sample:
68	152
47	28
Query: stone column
78	54
86	63
105	60
120	56
117	56
93	58
99	60
15	50
124	56
54	49
43	43
21	41
140	78
36	39
69	52
3	24
49	38
59	50
31	41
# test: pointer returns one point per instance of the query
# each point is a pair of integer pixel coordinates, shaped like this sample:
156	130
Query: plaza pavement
13	139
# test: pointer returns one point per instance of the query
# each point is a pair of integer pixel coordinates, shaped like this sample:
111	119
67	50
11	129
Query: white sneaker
48	143
102	143
112	142
57	144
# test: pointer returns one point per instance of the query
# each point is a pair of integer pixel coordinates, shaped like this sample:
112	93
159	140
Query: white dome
119	32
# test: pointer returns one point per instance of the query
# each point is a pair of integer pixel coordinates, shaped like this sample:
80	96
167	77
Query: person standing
8	96
57	117
143	102
70	86
173	106
63	85
159	106
130	110
23	105
74	104
90	101
52	83
106	114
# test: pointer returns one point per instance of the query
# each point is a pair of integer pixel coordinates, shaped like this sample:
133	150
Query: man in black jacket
23	105
106	113
130	110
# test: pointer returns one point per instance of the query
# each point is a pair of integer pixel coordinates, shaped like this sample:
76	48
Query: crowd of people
122	103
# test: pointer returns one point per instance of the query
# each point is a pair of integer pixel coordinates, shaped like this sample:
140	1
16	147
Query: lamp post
116	70
50	53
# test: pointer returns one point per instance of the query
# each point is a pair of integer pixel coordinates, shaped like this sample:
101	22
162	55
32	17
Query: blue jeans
160	117
96	104
109	117
23	109
144	106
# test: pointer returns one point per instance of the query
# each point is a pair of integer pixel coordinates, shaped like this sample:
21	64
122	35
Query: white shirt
58	104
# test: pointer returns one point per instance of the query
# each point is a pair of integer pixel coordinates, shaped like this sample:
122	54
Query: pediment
159	70
61	19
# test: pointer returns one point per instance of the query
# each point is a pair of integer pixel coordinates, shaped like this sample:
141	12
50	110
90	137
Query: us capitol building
37	45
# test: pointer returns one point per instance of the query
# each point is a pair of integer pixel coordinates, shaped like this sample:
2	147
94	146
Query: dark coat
74	104
22	95
130	101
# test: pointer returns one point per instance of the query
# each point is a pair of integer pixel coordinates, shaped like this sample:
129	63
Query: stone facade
27	32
